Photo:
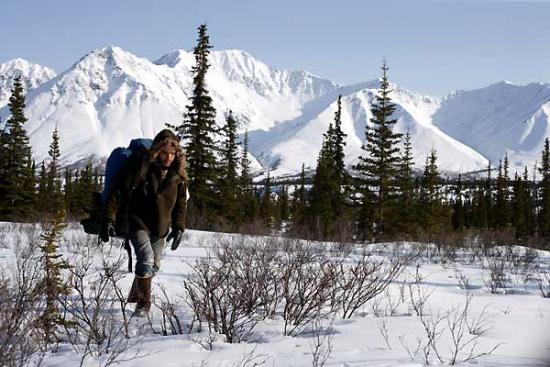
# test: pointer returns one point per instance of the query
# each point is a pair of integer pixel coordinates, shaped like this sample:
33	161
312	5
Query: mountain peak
110	52
12	68
32	75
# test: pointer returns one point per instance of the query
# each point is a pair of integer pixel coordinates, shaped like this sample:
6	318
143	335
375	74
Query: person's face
167	155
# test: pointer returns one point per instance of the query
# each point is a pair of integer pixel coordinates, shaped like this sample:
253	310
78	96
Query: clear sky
432	46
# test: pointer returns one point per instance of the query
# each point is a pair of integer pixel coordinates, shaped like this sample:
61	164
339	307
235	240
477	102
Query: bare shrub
385	305
307	286
464	343
521	262
321	342
383	329
171	321
228	292
497	280
457	325
20	304
252	359
93	326
543	281
256	273
418	295
364	279
462	280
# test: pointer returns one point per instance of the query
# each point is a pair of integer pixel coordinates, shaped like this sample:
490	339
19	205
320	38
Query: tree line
380	197
31	193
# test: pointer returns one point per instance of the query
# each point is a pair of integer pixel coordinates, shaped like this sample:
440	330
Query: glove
107	230
177	236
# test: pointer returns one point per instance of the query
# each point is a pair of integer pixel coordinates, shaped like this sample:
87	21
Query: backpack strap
128	249
139	176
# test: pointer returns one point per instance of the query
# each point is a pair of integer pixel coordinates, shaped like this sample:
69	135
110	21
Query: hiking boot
133	296
144	299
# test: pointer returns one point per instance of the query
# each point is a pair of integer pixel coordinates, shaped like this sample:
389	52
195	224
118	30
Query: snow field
379	333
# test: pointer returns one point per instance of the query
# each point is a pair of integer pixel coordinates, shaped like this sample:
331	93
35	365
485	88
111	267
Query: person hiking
152	191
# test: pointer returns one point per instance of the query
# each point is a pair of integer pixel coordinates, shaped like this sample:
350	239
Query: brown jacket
153	204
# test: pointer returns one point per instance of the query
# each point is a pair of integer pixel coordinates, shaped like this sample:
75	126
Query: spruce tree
489	198
435	215
4	163
68	191
458	216
229	184
340	207
299	204
519	207
249	202
325	187
266	205
406	201
84	188
378	167
52	284
544	170
338	142
15	183
479	204
529	204
43	194
198	132
55	195
501	207
283	203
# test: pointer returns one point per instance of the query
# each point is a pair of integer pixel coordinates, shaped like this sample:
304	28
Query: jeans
148	251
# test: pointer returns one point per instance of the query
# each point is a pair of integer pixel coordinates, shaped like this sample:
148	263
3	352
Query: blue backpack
117	160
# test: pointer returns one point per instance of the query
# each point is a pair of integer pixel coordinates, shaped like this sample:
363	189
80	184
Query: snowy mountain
284	145
110	96
501	118
32	75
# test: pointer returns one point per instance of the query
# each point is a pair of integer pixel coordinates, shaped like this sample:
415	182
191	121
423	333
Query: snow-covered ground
383	332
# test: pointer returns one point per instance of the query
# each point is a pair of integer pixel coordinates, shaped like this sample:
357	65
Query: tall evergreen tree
83	190
4	163
340	207
378	167
458	206
43	195
15	185
488	198
249	202
299	204
544	170
501	208
266	205
519	207
198	132
229	184
52	284
435	215
529	204
325	187
55	195
406	201
68	191
283	203
338	142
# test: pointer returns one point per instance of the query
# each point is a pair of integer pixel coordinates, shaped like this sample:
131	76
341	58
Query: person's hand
107	230
177	236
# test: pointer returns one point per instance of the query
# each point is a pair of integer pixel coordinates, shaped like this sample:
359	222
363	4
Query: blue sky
432	46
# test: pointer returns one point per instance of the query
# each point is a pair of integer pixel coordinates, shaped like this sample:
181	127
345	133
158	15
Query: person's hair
168	138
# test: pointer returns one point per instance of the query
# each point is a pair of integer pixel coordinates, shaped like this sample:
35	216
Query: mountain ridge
110	95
